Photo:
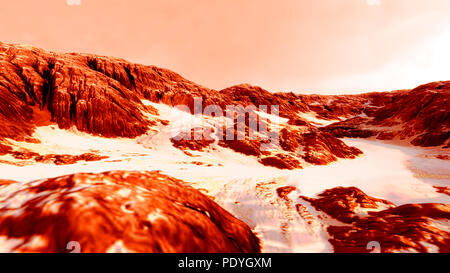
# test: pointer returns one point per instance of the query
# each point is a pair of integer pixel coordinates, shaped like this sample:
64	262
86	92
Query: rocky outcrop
196	140
443	189
420	116
151	212
246	94
117	211
411	228
281	161
70	89
405	228
283	192
66	159
26	157
314	146
344	203
103	96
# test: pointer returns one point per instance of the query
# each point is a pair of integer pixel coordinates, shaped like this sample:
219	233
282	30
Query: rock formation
407	228
117	211
120	113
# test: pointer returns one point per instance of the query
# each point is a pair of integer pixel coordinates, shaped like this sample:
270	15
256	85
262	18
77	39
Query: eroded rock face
117	211
420	116
344	204
405	228
409	228
315	147
103	96
151	212
71	90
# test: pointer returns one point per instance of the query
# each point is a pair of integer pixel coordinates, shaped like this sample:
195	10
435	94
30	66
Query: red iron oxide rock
119	211
189	141
73	93
410	227
281	161
421	115
103	96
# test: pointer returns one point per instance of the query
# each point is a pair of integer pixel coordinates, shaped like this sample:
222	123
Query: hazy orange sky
319	46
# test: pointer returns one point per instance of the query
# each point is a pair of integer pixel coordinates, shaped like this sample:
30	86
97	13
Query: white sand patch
272	118
74	142
118	247
381	172
9	244
312	117
276	223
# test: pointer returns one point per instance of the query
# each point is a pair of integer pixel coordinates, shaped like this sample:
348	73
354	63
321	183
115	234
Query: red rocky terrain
118	211
410	227
102	95
421	116
105	106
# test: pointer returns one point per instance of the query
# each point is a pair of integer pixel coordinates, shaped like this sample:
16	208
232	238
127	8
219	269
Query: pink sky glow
305	46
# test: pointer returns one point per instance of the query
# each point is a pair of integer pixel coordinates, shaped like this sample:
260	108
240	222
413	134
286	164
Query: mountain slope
306	183
421	116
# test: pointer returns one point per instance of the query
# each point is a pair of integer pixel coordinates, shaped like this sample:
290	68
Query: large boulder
118	211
